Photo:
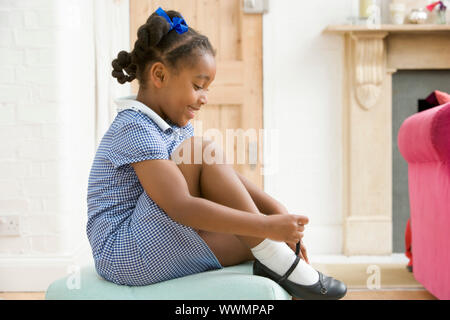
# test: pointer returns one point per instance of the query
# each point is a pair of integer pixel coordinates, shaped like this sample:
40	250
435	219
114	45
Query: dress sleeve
135	142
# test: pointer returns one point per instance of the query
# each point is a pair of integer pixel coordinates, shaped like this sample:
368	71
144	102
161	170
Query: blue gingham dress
134	242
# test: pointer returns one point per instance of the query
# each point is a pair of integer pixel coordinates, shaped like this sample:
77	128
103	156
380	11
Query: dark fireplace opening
410	90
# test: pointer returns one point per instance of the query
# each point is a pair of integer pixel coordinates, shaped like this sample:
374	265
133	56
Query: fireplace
372	57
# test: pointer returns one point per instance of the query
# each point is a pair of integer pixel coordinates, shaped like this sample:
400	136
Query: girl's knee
213	153
198	150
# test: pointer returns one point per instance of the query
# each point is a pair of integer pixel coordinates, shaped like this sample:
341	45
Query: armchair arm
425	136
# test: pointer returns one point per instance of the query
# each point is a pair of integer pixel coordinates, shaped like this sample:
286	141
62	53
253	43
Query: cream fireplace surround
371	57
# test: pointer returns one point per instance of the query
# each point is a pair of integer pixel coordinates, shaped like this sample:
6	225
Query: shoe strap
291	269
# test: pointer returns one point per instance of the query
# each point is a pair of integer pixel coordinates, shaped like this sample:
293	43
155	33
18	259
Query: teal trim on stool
230	283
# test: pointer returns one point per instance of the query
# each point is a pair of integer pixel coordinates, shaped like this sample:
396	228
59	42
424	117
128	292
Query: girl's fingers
304	253
291	245
302	219
300	254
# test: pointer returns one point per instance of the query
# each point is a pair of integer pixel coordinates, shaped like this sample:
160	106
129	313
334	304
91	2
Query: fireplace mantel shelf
412	28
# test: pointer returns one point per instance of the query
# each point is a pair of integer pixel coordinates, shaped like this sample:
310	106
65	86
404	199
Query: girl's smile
192	112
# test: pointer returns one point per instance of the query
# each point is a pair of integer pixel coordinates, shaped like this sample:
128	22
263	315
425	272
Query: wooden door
235	97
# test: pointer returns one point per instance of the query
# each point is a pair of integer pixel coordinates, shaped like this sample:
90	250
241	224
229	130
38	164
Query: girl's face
186	92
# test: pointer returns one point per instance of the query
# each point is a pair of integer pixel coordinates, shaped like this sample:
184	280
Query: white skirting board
395	258
35	274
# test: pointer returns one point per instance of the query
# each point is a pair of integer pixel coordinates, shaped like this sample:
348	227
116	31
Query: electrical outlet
9	226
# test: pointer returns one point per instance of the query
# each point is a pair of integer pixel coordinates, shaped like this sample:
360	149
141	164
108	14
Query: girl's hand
286	227
302	254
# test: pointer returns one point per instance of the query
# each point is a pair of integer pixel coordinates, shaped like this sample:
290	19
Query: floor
352	294
400	294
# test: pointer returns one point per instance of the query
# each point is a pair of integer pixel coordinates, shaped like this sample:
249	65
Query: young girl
151	219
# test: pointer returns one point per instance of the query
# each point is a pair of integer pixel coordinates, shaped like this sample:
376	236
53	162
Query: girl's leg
219	183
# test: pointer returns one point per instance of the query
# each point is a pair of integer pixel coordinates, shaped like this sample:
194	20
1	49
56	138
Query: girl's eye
196	88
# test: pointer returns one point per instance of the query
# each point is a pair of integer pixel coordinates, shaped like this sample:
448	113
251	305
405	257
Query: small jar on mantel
418	16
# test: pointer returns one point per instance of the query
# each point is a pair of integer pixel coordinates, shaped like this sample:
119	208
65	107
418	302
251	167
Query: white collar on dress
130	102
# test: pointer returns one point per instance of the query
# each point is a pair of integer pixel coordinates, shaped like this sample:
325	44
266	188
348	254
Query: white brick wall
55	94
35	116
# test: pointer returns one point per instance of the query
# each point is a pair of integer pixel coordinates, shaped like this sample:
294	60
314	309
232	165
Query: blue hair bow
179	24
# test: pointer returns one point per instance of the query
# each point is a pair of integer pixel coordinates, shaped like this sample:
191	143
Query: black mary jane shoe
327	288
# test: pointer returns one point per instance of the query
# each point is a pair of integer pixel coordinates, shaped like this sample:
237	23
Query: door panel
235	96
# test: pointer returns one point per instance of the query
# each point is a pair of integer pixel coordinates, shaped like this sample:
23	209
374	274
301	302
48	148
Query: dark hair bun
151	33
123	62
155	43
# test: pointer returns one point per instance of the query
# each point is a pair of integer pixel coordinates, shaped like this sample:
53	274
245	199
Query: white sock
279	257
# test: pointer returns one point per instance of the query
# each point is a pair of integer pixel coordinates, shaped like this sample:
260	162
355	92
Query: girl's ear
158	74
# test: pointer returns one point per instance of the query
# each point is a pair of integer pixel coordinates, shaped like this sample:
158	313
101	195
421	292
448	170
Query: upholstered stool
230	283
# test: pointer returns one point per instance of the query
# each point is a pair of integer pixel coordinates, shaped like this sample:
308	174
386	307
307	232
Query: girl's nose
203	99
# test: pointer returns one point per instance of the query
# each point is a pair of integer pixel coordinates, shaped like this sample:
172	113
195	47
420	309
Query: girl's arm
166	186
265	203
203	214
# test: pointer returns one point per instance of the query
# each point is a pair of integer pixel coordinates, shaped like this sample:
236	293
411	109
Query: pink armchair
424	142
